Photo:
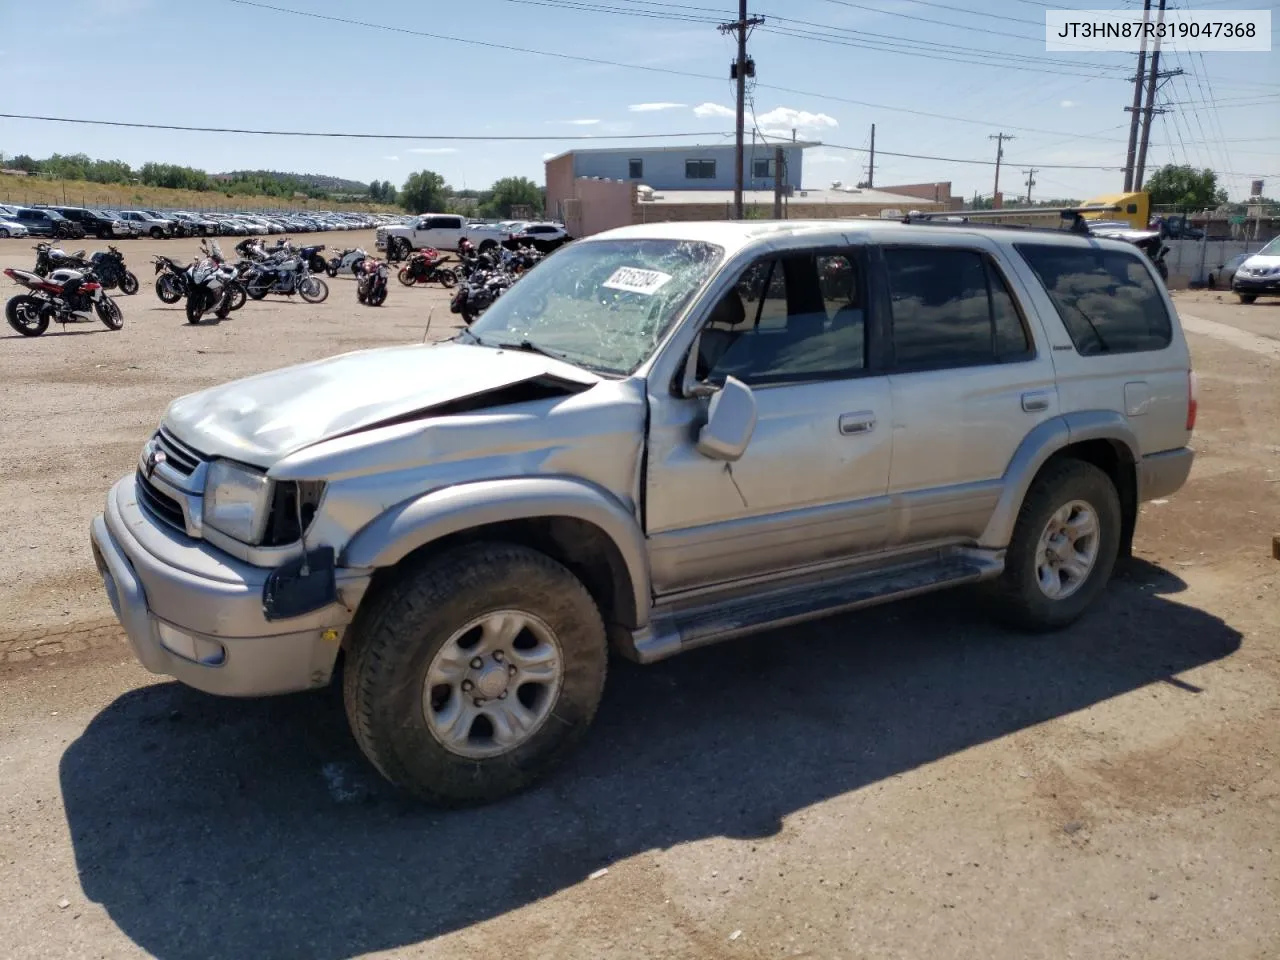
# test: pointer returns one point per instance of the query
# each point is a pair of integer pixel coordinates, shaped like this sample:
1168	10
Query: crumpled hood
260	419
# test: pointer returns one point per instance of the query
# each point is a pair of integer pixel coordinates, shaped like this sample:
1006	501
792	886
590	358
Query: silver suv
664	436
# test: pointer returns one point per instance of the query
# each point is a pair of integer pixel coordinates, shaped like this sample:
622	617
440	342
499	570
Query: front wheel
109	313
256	293
128	284
1247	298
313	290
27	315
168	289
406	277
195	307
475	672
157	233
1064	546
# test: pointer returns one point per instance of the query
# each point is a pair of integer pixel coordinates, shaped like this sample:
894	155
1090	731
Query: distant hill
315	181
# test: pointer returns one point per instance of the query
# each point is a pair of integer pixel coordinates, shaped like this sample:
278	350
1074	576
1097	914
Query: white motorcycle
348	261
65	296
211	285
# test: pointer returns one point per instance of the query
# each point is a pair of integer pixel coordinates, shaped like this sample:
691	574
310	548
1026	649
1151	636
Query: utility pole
1000	138
1134	113
871	167
1031	181
778	161
1150	110
741	68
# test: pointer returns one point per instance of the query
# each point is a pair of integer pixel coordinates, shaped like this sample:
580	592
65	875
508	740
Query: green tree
424	192
511	192
1186	187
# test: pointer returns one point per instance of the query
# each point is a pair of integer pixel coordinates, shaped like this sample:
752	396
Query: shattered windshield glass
603	304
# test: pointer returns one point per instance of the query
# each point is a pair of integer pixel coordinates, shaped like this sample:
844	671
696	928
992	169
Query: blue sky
219	63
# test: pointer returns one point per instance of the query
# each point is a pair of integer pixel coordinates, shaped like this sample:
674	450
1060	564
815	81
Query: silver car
661	437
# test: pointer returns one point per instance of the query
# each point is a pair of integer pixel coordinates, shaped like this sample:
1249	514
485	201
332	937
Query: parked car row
73	223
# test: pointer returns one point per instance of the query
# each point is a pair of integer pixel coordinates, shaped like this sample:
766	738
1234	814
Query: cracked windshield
603	305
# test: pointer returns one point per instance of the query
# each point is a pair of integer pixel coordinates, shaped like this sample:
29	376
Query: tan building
588	205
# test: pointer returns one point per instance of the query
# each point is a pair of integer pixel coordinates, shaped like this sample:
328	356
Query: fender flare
1037	447
397	532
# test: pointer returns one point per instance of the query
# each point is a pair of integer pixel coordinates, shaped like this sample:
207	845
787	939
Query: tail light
90	287
1193	399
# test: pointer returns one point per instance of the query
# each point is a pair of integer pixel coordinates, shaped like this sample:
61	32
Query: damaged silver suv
664	436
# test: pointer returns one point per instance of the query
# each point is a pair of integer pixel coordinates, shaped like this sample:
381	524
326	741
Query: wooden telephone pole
1000	138
739	70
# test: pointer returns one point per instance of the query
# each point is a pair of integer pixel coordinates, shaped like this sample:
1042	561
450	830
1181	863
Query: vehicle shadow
212	828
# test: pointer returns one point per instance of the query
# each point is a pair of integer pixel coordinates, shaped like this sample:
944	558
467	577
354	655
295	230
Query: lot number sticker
635	280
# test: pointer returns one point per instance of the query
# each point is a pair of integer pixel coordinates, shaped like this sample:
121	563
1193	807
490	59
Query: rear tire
1247	298
27	315
415	627
448	278
168	289
235	295
1069	496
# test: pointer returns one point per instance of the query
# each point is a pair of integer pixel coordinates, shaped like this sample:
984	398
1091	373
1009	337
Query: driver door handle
863	422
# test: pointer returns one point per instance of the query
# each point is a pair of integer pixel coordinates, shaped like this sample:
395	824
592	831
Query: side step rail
674	631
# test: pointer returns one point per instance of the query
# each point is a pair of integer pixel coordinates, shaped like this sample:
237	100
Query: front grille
182	458
159	504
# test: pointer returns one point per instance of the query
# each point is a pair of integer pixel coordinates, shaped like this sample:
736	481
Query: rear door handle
1035	402
863	422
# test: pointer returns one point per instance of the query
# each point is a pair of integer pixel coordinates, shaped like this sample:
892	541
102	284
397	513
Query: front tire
406	277
128	284
195	308
474	673
157	233
1247	298
1064	547
109	313
313	290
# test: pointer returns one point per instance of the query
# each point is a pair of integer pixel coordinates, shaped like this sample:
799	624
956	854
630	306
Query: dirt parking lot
903	783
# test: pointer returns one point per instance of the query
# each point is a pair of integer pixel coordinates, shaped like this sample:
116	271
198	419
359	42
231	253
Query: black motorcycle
171	279
286	276
315	262
477	293
108	266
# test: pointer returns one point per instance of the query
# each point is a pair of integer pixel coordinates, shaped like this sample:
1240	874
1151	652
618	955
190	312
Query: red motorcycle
426	266
371	282
65	296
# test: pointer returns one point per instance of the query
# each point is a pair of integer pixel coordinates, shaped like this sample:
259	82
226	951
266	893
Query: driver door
813	482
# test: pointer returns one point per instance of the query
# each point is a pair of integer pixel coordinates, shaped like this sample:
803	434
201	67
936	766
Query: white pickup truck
439	230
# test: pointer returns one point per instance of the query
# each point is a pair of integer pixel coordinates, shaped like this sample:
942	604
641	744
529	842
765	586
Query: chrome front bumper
193	613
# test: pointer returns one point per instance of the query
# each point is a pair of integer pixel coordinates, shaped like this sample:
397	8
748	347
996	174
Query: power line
648	69
361	136
980	163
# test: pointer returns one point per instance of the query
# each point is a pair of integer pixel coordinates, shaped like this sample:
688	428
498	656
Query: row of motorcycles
486	276
68	288
211	284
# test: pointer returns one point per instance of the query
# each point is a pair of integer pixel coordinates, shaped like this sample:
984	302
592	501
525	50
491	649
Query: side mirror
731	420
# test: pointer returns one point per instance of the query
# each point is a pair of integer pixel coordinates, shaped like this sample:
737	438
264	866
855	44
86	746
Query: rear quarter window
1107	299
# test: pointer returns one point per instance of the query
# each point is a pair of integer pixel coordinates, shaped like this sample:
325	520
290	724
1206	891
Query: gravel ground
901	783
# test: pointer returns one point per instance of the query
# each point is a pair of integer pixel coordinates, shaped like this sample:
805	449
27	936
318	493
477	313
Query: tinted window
760	169
1107	299
793	318
950	308
635	169
700	169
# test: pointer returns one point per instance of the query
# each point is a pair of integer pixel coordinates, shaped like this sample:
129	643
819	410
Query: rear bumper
1161	474
195	614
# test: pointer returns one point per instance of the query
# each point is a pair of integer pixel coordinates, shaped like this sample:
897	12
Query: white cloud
390	158
433	149
577	123
1067	104
780	121
712	110
652	107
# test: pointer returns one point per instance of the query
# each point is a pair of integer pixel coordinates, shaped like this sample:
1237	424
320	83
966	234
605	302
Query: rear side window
1107	299
951	308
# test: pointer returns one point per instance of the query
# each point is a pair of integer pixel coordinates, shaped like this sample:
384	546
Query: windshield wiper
530	347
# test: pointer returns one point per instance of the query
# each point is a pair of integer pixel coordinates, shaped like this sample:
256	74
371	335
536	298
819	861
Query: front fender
407	526
1037	447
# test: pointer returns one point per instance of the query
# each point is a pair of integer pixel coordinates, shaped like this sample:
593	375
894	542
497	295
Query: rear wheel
1247	297
4	234
235	295
109	313
27	315
128	284
1063	549
447	277
475	673
256	293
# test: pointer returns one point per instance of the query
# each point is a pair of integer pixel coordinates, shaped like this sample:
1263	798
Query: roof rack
1073	217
